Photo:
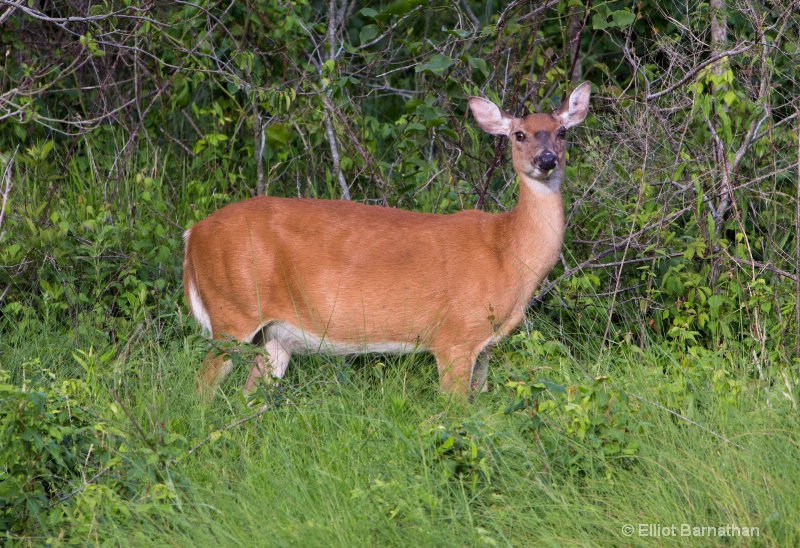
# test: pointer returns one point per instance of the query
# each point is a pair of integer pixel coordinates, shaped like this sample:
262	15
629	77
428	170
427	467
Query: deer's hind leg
278	356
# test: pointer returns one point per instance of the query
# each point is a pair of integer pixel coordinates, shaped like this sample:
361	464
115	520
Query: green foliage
67	463
677	287
597	422
465	450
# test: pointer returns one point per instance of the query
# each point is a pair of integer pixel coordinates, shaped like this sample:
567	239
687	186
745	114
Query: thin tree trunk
719	33
333	21
575	26
258	145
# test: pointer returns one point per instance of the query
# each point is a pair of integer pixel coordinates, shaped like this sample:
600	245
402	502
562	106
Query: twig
186	149
127	147
133	421
499	147
755	264
61	21
11	10
335	154
575	42
91	480
690	421
470	14
621	266
264	409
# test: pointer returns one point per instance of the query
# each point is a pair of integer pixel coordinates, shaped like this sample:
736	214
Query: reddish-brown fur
362	276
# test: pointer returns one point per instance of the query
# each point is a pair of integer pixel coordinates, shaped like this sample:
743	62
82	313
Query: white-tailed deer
339	277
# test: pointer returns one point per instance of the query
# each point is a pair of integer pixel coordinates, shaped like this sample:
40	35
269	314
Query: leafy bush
68	462
581	428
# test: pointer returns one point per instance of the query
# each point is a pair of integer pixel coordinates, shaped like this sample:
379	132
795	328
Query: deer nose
546	161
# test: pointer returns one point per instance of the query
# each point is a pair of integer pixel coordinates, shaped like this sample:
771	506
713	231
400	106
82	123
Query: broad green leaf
623	18
460	33
437	65
277	135
479	64
398	8
599	22
368	32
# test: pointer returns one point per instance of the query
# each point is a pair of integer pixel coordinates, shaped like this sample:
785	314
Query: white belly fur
295	340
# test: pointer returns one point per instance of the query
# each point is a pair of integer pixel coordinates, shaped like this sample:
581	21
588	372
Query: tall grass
348	455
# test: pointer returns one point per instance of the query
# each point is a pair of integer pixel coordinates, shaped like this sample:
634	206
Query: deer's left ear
574	110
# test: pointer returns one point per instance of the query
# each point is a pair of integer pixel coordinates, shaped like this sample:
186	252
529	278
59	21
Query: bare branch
10	9
746	46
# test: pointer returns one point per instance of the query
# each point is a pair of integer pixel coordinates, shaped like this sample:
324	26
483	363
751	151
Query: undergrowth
367	451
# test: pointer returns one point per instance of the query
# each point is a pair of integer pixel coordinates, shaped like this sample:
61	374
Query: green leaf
448	443
623	18
729	97
399	8
415	126
368	12
460	33
479	64
553	387
437	65
368	32
715	302
277	135
599	22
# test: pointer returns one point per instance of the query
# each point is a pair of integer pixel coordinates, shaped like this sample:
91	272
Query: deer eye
519	136
561	133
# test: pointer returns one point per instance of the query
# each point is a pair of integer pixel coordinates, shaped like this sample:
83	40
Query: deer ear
490	117
575	109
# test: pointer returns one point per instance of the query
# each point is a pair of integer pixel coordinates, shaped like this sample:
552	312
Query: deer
335	277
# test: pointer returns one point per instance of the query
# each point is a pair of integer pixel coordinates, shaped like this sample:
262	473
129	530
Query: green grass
350	454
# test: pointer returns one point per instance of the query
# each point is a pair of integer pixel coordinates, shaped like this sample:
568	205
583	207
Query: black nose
546	161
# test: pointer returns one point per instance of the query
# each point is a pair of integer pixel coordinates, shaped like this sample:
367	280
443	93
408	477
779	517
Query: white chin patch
539	175
542	182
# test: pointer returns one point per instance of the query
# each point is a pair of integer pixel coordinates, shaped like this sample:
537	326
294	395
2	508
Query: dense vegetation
655	380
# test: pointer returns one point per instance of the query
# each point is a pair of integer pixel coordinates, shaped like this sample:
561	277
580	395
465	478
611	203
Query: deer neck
535	230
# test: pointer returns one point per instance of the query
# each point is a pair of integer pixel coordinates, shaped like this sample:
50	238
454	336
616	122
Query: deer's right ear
574	109
490	117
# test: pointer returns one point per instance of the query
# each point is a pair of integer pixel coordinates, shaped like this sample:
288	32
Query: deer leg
479	372
455	371
216	367
278	362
